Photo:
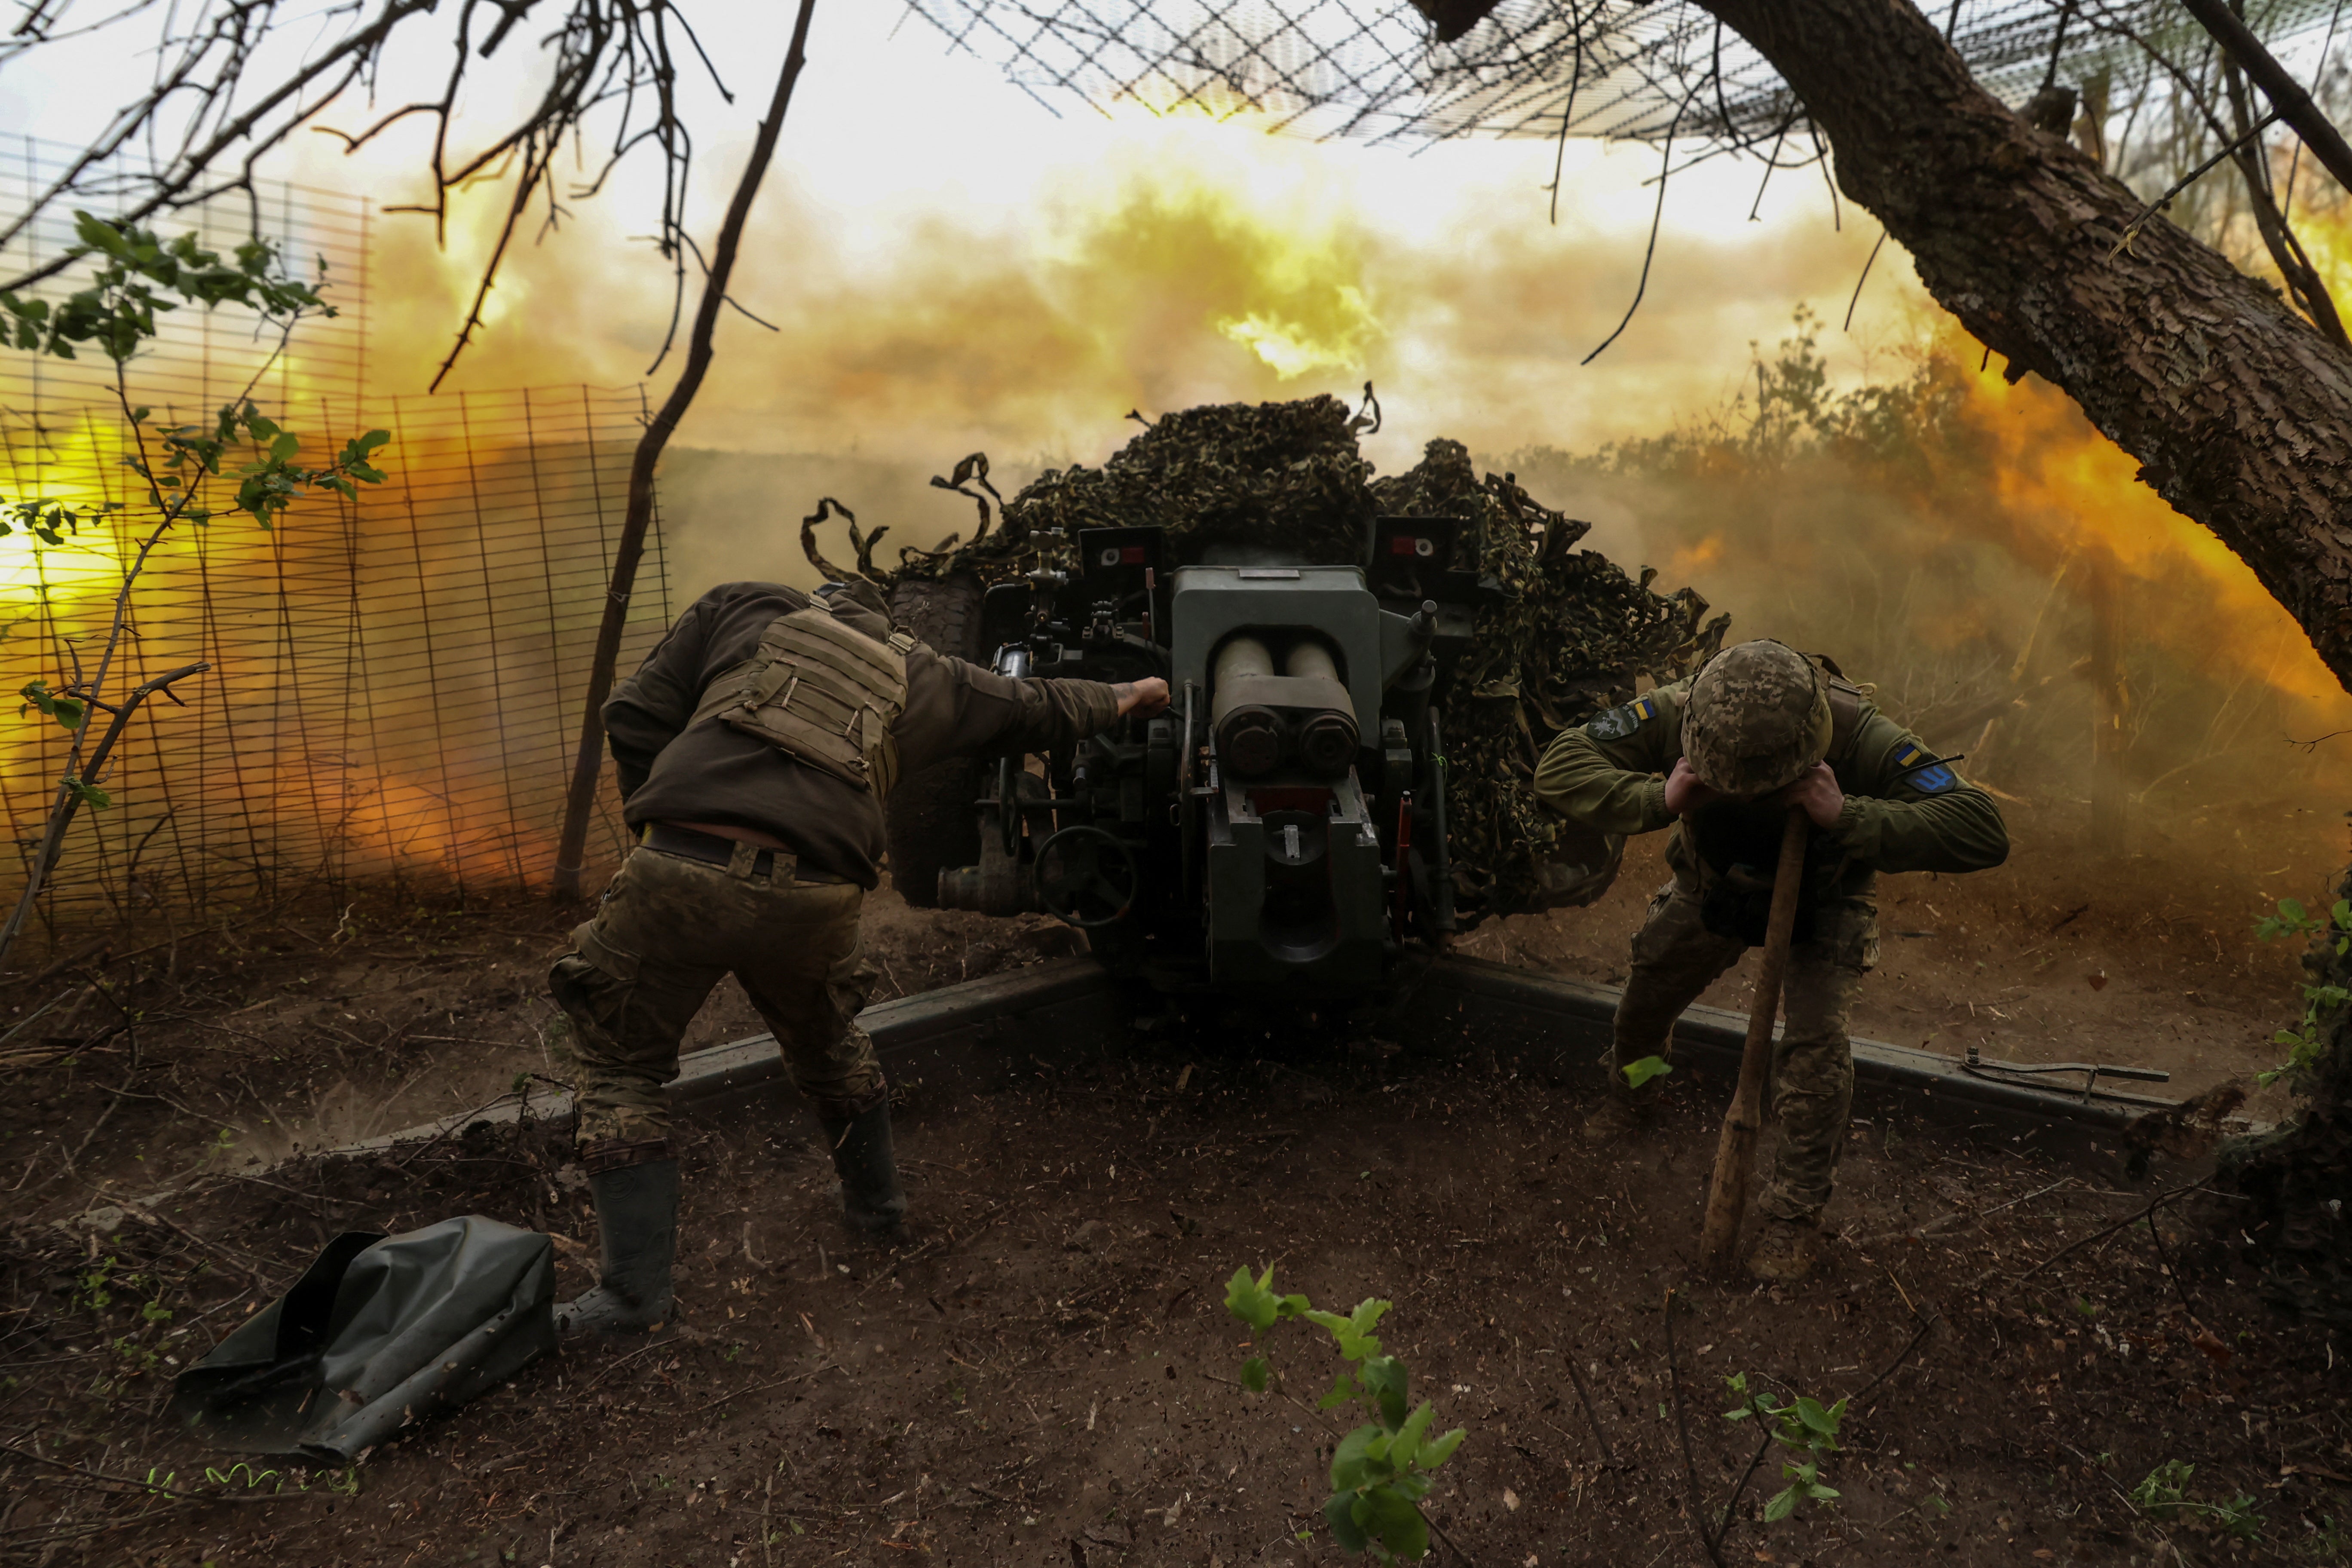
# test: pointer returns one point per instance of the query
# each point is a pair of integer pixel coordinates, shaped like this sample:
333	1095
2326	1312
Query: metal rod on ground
589	761
1735	1154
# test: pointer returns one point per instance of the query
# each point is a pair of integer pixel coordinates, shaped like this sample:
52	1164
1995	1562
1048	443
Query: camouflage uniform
754	748
785	922
669	931
1899	816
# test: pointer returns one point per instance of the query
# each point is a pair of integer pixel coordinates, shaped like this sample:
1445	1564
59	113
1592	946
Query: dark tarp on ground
378	1330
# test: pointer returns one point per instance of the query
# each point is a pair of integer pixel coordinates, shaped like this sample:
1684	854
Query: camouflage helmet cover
1758	717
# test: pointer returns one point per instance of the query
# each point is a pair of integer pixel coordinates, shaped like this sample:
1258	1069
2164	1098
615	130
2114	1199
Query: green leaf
1351	1461
1641	1072
1782	1504
2291	909
89	795
1343	1389
1383	1378
1339	1513
283	448
1397	1522
1818	1418
1250	1300
1254	1374
1406	1449
1435	1453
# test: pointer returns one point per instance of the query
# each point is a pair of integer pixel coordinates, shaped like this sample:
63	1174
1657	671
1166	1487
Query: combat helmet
1758	717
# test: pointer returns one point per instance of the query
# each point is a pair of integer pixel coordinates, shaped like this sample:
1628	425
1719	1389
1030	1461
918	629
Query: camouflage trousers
1675	958
670	928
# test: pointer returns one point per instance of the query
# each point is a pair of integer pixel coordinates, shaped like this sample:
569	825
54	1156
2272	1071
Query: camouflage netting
1565	638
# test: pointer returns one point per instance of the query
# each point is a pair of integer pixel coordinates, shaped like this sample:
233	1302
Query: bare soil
1044	1373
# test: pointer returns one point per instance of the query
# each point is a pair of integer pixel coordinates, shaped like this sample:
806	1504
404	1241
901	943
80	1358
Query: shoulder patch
1932	778
1616	724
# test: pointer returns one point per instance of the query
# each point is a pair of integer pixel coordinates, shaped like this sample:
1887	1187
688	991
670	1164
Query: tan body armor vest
820	693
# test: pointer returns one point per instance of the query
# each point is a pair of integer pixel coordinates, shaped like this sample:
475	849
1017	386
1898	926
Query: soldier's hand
1685	791
1817	791
1144	697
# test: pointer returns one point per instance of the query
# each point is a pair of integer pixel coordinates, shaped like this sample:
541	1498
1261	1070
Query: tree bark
2238	411
588	763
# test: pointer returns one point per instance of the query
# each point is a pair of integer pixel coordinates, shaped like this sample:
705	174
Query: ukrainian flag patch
1616	724
1932	779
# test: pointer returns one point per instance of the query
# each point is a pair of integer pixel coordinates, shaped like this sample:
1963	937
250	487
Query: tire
929	819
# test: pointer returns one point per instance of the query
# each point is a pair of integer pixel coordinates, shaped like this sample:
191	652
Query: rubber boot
872	1203
1623	1118
1785	1251
637	1238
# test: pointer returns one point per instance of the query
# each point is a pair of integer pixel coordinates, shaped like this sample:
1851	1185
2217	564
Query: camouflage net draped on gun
1564	636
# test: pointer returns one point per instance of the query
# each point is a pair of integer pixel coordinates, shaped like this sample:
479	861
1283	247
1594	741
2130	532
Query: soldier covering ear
1720	758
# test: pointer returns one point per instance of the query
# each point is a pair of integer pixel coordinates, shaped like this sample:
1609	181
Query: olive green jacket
672	769
1899	816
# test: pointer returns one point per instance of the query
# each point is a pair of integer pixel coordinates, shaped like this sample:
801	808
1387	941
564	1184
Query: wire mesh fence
1529	68
395	682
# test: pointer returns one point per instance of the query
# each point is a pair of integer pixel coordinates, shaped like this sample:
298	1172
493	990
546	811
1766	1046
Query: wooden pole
588	760
2110	706
1735	1154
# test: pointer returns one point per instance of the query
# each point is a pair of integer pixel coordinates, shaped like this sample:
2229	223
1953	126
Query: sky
951	265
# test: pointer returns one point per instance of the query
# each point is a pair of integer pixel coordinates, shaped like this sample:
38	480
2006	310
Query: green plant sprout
1641	1072
1380	1471
1804	1427
2164	1495
2306	1043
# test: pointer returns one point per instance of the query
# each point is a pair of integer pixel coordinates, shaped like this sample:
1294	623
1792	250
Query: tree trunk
588	761
2238	411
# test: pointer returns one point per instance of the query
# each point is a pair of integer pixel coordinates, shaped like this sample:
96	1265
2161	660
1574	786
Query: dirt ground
1044	1373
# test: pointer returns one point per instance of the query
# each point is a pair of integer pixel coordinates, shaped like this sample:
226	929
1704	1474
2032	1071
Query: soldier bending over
754	748
1719	757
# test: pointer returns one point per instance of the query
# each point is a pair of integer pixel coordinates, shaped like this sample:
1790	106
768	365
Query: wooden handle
1734	1152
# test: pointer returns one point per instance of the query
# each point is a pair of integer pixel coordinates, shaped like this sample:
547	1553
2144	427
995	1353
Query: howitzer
1282	824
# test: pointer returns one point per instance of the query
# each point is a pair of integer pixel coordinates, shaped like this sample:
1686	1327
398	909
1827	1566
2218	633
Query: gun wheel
1087	877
